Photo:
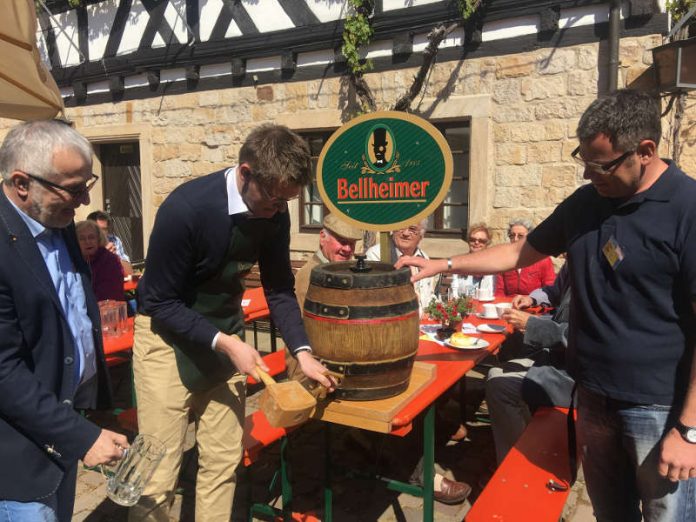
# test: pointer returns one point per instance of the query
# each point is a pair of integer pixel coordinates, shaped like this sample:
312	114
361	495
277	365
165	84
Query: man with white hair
51	356
406	242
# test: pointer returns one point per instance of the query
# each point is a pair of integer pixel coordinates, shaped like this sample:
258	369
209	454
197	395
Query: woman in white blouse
481	287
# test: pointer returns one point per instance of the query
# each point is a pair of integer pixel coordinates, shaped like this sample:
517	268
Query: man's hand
426	267
242	355
107	449
315	370
677	457
519	302
516	318
110	247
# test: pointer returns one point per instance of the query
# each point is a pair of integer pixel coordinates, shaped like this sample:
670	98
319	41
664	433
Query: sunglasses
603	169
478	240
75	192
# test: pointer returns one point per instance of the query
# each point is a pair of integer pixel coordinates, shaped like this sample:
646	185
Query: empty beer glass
135	469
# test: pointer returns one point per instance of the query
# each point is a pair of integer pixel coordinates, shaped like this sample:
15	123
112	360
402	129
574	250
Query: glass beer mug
135	470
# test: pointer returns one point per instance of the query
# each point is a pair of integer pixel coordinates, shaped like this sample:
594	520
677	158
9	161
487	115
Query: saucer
481	316
486	300
490	328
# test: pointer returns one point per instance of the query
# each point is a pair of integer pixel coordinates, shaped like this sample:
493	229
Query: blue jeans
13	511
620	444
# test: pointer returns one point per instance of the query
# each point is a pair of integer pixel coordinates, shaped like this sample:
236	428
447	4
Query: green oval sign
384	170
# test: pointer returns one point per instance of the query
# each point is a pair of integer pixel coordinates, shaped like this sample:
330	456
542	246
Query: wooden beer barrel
364	326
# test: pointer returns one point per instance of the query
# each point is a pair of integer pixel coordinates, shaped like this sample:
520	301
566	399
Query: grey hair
30	146
625	116
522	223
87	224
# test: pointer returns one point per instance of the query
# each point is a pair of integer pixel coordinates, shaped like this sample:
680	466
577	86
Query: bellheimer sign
384	170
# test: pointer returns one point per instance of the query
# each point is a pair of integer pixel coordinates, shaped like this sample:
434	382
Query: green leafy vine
467	8
357	32
678	8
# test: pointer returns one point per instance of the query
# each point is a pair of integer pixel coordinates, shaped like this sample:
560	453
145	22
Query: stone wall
535	100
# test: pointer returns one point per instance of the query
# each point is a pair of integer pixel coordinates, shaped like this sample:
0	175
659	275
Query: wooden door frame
118	134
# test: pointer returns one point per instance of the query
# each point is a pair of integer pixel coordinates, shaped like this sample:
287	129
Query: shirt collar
235	204
34	226
661	190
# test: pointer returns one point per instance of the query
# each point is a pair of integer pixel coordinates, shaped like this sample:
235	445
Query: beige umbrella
27	89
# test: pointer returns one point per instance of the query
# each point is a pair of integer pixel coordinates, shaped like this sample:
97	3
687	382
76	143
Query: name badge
612	251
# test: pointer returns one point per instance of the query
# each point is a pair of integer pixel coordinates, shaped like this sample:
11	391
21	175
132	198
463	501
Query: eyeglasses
272	198
265	194
75	192
603	169
480	240
411	230
513	235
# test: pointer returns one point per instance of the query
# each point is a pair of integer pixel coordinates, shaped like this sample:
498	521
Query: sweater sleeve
169	266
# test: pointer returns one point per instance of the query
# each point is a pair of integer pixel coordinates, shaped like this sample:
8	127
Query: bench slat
517	491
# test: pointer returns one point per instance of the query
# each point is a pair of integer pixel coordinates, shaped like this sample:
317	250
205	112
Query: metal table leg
328	492
428	463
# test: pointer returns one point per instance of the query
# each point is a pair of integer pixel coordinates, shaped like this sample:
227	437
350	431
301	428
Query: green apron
218	299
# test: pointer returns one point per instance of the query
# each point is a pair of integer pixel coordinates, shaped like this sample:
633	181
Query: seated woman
523	280
478	237
107	273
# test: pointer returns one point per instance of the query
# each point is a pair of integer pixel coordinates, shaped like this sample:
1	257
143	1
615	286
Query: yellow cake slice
462	341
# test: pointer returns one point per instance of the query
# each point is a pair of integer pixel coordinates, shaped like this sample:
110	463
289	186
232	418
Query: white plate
481	343
490	328
487	300
481	316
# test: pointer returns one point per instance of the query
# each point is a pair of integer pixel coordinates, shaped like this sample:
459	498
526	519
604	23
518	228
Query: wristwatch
688	433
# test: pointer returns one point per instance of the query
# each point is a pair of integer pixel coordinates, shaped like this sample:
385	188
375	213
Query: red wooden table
131	283
119	344
451	365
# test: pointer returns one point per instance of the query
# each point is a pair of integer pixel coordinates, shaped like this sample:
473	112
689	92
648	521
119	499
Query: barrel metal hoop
376	313
348	369
334	275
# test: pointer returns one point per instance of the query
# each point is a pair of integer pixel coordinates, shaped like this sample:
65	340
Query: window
447	220
312	209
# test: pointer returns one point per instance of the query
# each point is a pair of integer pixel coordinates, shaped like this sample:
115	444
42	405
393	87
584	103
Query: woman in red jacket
523	280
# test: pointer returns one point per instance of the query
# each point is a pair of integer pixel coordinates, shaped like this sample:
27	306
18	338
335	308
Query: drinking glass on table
135	470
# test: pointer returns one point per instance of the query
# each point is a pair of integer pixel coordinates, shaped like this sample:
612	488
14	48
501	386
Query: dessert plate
479	344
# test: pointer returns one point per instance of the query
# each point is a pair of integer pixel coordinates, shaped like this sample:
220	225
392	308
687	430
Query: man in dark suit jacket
51	357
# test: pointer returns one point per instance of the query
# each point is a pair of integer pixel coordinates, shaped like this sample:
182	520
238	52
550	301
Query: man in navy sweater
188	354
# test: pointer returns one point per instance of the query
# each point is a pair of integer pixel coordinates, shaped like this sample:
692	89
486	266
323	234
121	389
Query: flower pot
447	329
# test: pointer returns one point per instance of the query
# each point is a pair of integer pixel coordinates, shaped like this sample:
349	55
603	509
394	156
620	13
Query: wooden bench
519	488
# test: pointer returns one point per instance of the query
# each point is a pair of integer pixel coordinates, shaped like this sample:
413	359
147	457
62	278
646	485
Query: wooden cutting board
376	415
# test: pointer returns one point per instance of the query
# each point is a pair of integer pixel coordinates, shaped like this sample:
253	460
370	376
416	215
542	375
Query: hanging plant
357	32
468	8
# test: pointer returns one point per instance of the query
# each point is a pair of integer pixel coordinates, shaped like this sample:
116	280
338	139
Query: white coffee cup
501	307
489	311
484	294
